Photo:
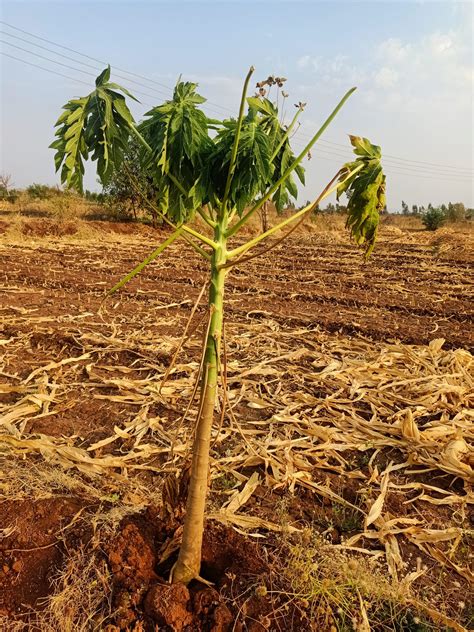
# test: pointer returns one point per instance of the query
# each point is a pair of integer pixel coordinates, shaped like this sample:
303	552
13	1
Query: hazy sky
412	63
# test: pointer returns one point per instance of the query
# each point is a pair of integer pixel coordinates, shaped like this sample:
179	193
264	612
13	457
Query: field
341	480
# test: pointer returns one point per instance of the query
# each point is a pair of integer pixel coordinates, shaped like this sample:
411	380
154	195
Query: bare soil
52	287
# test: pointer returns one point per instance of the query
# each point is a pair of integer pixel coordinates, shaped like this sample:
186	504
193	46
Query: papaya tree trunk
189	560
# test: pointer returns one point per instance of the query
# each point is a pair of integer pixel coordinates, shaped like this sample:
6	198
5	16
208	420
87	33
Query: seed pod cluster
271	80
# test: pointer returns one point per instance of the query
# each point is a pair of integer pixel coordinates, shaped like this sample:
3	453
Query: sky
412	62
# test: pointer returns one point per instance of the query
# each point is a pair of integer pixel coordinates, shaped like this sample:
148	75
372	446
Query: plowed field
348	382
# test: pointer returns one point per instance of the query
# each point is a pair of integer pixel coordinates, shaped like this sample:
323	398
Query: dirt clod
170	605
208	607
132	558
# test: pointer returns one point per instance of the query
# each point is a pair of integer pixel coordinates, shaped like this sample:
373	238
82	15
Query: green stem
287	133
146	261
154	208
253	242
188	564
235	147
210	222
140	138
236	227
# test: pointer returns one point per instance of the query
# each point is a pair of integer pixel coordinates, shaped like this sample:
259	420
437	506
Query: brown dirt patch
46	228
35	550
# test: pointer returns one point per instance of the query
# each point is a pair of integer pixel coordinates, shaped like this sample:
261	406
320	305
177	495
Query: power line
72	50
53	72
392	165
332	155
35	54
128	72
22	39
59	63
395	159
390	162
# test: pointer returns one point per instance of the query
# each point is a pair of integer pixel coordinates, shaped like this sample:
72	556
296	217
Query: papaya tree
214	174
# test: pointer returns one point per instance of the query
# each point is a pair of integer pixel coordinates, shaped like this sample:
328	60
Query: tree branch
301	214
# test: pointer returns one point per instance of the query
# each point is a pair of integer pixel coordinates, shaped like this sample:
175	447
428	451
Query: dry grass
303	409
322	400
335	590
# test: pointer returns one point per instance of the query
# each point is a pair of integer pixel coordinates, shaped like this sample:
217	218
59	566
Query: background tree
405	209
456	212
5	182
130	187
95	197
7	192
222	179
42	191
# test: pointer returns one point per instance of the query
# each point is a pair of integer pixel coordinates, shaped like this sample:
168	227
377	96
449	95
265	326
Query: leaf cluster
365	191
253	167
189	167
281	153
177	133
95	126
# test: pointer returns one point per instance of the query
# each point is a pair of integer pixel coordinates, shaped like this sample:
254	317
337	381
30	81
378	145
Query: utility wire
59	63
411	172
397	158
35	54
53	72
390	164
393	158
128	72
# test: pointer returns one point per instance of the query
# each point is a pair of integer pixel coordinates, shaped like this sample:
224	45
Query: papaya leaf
365	190
281	152
99	126
103	77
253	167
177	132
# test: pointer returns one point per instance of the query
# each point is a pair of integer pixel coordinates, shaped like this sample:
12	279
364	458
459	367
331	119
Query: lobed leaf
99	126
177	133
365	191
268	118
253	166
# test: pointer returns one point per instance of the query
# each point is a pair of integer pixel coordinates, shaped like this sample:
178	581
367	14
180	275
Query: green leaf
365	191
115	86
103	77
177	132
98	124
253	167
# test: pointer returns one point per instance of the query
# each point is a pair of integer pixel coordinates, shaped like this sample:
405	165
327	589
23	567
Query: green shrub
433	219
41	191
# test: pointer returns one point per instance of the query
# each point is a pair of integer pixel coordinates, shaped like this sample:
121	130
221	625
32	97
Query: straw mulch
298	404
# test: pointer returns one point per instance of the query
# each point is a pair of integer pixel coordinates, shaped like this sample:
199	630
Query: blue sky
411	61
